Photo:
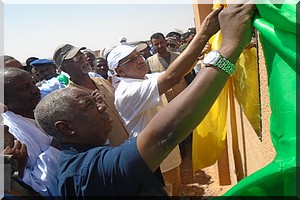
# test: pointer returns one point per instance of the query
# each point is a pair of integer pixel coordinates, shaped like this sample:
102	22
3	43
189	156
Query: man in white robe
21	97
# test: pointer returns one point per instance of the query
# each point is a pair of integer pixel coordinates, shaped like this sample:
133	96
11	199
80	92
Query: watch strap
225	65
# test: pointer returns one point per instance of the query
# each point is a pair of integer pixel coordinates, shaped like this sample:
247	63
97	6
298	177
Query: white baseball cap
120	52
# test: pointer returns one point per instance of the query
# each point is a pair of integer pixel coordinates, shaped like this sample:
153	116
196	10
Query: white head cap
123	39
121	52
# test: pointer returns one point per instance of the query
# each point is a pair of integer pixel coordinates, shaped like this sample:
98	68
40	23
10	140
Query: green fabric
277	30
63	78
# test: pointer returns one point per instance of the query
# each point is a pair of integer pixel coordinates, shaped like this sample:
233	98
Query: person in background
188	37
161	61
146	53
90	56
123	40
100	67
206	50
46	69
174	34
37	78
10	61
82	125
111	74
172	44
28	67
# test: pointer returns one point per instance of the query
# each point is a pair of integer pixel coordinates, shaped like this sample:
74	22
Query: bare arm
183	114
186	61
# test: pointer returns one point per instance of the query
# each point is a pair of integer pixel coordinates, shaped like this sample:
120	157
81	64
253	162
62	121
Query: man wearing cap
47	70
138	96
176	35
80	121
72	61
188	37
172	44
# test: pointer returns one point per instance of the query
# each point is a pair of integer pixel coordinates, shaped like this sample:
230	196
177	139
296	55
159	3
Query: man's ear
64	128
120	71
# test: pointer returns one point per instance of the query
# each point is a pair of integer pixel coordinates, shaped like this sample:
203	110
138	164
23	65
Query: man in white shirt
138	96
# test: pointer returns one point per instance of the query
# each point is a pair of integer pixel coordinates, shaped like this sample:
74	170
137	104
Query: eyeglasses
132	59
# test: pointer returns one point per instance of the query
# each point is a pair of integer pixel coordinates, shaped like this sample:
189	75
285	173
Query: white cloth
198	66
138	101
94	74
42	166
49	86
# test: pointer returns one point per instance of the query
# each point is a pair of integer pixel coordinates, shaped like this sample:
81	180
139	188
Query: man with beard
163	58
73	61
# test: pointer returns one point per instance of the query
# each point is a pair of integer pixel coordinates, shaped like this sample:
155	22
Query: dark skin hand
15	148
19	153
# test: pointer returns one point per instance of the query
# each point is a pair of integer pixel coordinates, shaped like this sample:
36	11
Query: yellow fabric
245	86
209	137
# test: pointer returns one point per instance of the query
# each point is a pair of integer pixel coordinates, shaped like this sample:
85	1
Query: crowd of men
111	124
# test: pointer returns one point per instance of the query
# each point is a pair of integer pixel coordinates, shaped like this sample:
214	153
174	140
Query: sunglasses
132	59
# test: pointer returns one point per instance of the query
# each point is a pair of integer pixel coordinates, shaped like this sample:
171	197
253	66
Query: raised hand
99	99
19	153
211	25
236	27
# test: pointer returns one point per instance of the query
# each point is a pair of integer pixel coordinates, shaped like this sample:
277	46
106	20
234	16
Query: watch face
211	58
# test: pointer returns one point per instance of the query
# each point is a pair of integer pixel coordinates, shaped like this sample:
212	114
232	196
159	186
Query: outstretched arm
185	62
173	123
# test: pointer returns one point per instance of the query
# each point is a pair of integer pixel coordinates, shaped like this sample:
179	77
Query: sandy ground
201	184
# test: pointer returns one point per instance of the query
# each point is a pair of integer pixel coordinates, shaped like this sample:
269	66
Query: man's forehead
21	75
78	93
19	79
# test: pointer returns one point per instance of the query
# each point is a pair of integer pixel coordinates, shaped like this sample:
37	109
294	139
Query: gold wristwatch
214	58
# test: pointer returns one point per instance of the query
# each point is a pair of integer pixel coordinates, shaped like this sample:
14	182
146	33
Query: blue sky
37	29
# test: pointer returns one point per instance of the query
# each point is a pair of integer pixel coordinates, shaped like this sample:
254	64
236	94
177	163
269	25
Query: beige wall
255	152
